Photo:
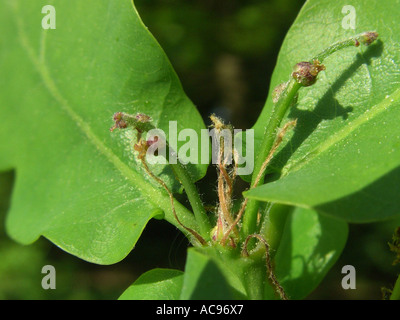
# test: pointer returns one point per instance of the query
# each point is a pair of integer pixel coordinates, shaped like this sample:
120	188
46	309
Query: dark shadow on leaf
379	200
314	267
212	285
327	108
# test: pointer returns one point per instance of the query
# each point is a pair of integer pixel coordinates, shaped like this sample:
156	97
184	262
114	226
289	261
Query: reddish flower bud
368	37
119	121
306	73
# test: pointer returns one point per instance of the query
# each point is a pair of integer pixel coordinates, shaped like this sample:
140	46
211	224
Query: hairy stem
142	123
270	272
274	225
365	38
304	75
194	199
171	197
279	111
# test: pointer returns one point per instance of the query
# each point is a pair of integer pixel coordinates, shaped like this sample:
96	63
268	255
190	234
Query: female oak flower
306	73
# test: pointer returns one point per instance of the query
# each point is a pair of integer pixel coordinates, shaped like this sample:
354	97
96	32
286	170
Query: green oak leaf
206	278
156	284
343	157
77	184
311	243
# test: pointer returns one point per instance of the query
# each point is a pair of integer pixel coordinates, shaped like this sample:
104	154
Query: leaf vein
343	133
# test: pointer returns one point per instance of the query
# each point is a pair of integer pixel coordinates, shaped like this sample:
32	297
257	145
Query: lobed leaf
77	184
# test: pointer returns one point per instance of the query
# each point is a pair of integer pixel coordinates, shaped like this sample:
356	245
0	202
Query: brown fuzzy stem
279	289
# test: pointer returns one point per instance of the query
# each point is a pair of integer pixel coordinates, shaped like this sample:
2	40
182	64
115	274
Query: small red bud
119	121
306	72
368	37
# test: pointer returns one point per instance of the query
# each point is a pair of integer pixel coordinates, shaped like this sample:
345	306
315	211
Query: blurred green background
224	52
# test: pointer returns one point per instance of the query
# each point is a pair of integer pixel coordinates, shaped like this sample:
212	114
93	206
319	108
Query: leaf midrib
343	133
